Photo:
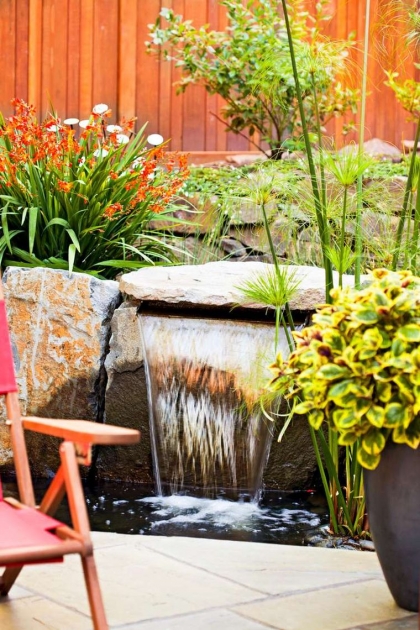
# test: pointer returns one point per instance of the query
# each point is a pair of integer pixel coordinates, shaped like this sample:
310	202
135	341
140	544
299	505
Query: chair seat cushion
26	527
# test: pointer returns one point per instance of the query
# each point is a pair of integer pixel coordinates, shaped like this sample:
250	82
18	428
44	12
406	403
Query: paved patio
157	583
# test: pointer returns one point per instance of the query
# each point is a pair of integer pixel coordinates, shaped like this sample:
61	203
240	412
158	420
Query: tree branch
241	134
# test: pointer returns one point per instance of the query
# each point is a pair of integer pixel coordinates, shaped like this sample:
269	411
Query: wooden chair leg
8	578
94	593
80	519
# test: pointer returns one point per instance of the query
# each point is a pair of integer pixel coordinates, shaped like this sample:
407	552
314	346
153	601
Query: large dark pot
393	505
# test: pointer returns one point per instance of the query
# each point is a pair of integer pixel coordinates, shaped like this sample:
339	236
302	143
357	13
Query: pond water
135	509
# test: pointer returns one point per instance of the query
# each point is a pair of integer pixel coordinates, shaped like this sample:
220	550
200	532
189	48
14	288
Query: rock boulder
60	331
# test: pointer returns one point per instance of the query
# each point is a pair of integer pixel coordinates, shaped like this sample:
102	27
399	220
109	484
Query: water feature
282	518
210	442
204	379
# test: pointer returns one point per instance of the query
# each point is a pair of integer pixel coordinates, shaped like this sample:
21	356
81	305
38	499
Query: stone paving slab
408	623
161	583
337	608
284	570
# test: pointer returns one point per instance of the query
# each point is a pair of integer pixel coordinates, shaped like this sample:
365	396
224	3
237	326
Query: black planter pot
393	505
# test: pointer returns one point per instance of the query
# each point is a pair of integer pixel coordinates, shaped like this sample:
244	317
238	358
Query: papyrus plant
357	368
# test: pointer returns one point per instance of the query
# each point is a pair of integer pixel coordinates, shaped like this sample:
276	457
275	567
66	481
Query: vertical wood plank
22	48
165	89
105	53
8	58
148	69
54	56
127	59
212	99
343	18
73	59
35	53
86	58
371	102
221	136
195	96
177	100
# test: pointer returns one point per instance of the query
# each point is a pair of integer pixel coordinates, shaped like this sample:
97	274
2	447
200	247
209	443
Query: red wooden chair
28	533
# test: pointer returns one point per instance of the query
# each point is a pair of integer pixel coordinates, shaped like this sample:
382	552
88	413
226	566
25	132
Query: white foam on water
186	510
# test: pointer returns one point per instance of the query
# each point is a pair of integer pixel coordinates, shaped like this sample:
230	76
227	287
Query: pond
135	509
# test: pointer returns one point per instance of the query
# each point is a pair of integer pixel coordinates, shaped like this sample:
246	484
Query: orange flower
64	186
111	210
183	160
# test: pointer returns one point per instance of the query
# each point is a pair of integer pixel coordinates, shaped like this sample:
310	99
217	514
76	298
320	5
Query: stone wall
60	333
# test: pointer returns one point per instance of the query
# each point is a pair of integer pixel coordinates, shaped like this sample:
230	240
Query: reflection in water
204	379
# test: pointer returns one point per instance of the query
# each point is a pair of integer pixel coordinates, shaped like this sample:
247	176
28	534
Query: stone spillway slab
216	285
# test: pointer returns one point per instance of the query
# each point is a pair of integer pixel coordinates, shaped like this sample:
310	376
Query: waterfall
204	380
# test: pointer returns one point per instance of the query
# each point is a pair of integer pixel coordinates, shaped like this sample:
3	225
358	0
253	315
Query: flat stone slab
216	285
157	583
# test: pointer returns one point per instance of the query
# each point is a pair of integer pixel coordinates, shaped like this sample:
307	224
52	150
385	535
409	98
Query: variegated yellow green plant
357	368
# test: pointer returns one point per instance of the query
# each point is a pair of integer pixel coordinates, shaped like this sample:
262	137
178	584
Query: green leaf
303	407
339	390
347	438
5	226
33	216
395	414
408	435
376	416
345	419
331	372
316	417
74	238
366	316
366	460
373	442
410	333
58	221
72	255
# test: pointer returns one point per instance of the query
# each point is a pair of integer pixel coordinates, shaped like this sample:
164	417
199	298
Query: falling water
204	380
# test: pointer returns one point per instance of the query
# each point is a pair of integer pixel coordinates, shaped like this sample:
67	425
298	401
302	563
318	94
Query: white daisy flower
154	139
100	109
100	153
113	128
71	121
83	123
122	138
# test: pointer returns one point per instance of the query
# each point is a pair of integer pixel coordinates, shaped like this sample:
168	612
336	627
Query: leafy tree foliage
249	65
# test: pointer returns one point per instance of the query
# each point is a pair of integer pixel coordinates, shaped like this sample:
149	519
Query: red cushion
7	371
25	528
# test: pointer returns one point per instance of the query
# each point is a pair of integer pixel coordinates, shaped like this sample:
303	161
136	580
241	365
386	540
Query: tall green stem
407	194
322	227
321	153
342	238
279	314
358	235
416	231
406	261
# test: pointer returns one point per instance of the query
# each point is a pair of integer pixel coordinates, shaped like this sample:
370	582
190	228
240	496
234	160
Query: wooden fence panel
75	53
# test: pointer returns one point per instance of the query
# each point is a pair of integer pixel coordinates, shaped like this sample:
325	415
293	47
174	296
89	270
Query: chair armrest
82	431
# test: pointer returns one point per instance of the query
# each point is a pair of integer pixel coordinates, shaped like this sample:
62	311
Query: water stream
204	380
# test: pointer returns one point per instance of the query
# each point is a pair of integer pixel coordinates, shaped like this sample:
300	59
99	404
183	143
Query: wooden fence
75	53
